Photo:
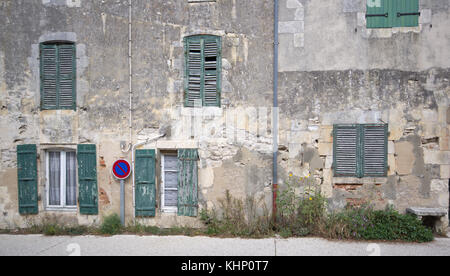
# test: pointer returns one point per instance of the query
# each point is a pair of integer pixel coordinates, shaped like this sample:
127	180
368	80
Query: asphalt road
38	245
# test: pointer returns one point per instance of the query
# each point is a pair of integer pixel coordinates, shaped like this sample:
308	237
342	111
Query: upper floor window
58	75
360	150
392	13
203	70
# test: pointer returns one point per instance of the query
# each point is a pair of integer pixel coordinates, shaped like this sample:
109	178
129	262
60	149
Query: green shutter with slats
360	150
203	70
407	13
187	182
87	179
27	179
345	150
392	13
374	149
58	76
145	188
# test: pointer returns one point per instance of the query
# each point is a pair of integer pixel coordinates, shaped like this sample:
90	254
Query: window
58	75
392	13
360	150
203	70
169	183
179	182
61	179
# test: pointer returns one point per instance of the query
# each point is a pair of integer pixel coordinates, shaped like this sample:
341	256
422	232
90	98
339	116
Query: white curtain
71	188
54	181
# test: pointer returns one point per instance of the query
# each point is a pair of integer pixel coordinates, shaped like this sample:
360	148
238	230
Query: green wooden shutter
345	150
49	76
145	189
374	149
58	76
407	13
87	179
212	65
67	76
203	70
194	68
380	13
187	182
27	179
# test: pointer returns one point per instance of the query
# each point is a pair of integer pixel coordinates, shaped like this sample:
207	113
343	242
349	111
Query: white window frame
62	180
166	209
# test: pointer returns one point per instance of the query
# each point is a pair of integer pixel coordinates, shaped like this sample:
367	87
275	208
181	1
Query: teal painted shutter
58	76
67	76
380	13
187	182
407	13
27	179
212	61
345	150
49	77
145	189
194	68
87	179
374	149
203	70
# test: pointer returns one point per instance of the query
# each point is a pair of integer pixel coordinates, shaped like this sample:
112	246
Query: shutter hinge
399	14
377	15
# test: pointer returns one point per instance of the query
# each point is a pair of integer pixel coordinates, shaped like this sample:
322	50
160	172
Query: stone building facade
334	71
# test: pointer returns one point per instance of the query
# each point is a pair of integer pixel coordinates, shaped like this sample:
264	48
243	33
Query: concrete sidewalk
38	245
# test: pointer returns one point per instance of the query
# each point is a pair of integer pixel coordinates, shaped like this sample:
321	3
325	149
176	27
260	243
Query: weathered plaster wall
332	70
100	31
346	73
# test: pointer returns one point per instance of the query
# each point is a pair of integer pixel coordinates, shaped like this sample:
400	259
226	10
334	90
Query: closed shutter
374	150
380	13
145	189
345	147
187	182
49	77
58	76
87	178
407	13
67	76
203	68
27	179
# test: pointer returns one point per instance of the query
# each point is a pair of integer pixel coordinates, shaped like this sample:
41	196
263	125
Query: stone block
444	143
445	171
436	157
325	148
391	164
326	134
405	158
391	147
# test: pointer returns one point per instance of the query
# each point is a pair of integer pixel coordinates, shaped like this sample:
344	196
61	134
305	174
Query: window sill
169	211
359	181
62	209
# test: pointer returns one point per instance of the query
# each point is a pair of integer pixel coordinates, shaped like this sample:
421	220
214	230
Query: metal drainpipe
275	113
130	67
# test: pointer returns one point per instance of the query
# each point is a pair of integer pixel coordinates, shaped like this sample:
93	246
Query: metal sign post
121	170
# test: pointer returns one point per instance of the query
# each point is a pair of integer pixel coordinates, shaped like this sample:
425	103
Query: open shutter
27	179
374	150
212	61
145	189
345	150
187	182
407	13
87	179
194	71
49	76
380	13
67	76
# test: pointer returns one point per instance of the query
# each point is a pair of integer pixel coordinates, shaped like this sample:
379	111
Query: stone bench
438	216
